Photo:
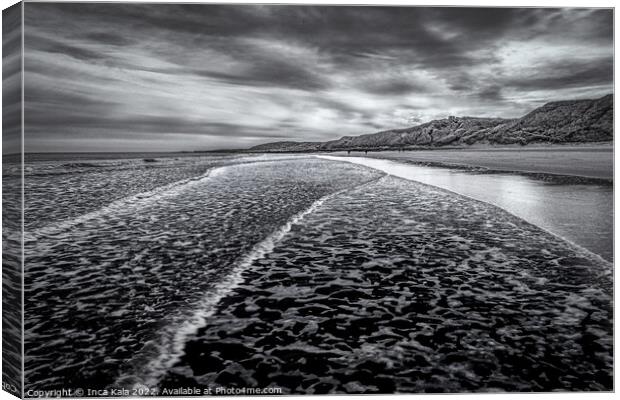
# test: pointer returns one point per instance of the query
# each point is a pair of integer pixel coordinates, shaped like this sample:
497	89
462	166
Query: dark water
107	292
311	275
61	187
11	275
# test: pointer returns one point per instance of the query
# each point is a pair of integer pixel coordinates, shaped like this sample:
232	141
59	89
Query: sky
169	77
11	80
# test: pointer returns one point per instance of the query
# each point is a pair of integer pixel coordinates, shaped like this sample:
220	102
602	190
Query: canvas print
217	199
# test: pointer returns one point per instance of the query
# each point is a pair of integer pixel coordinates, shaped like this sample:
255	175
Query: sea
301	273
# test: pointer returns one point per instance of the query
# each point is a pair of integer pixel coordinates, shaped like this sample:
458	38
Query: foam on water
174	337
58	191
125	204
402	287
139	200
123	287
409	172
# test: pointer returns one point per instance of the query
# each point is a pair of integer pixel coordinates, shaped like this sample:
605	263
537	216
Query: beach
307	199
218	270
586	160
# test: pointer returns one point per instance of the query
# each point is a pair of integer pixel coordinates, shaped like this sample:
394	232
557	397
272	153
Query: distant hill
287	146
574	121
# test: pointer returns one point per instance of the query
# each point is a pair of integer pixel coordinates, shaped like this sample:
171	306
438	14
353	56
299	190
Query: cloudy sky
112	77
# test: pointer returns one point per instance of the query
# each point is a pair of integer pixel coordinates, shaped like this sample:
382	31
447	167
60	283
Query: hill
574	121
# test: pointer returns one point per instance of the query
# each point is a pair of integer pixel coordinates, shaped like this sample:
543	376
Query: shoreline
542	176
557	164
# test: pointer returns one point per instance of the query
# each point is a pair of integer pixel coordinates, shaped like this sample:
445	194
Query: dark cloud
567	74
84	116
393	87
11	30
492	93
254	72
51	46
109	38
11	80
274	72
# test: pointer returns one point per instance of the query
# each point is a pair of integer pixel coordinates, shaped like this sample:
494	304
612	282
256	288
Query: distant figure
365	151
348	151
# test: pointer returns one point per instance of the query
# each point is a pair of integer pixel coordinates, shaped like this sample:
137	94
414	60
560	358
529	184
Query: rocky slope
555	122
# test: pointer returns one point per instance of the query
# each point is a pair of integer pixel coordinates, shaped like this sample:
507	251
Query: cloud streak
113	77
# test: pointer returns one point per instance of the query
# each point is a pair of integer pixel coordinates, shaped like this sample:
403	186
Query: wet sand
593	161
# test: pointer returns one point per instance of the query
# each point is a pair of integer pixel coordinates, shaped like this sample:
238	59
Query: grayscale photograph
220	199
